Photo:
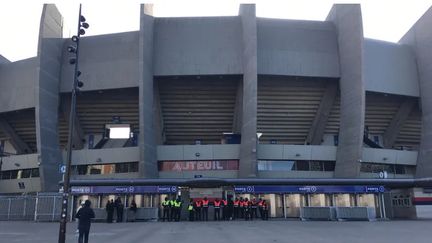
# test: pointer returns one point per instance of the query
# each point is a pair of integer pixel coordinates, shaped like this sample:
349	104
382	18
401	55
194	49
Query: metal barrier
317	213
17	208
40	207
356	213
147	214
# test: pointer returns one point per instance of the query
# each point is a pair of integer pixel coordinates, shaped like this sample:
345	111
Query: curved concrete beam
347	19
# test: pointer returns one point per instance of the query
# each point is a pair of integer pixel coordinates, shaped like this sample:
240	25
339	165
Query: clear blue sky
19	19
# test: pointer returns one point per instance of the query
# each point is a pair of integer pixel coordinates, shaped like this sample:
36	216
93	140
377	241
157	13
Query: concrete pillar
349	28
419	37
47	96
237	119
396	124
248	148
316	132
147	139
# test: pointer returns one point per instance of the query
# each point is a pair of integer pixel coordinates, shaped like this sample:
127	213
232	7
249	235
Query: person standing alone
85	214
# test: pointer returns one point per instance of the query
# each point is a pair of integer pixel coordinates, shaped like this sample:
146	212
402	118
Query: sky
386	20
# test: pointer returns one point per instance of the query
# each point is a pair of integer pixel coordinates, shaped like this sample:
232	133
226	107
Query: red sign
198	165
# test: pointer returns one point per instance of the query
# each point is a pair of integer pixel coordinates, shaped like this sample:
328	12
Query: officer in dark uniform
217	205
172	209
236	208
197	207
247	208
191	210
205	205
254	208
166	205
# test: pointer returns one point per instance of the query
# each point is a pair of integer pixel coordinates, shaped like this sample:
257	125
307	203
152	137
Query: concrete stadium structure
227	97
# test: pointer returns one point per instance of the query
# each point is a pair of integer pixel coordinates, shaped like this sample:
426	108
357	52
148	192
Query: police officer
246	208
198	206
191	210
260	207
177	205
242	207
172	209
236	208
166	206
224	209
205	205
217	206
254	207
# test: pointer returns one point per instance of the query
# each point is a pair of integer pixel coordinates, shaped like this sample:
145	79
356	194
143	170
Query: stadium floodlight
74	49
71	49
118	131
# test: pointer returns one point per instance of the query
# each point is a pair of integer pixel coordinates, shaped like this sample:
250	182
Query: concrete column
78	133
237	119
316	132
18	144
393	129
47	96
419	37
349	28
147	139
248	148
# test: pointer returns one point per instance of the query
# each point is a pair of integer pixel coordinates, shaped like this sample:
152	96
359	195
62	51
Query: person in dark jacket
119	210
85	214
133	208
110	211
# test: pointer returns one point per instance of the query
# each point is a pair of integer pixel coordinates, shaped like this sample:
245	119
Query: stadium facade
230	97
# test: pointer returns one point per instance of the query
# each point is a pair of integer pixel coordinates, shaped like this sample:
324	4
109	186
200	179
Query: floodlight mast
75	88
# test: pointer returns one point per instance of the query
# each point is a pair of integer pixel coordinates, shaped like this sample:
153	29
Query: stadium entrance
283	201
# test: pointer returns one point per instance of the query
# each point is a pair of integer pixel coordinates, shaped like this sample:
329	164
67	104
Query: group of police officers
240	208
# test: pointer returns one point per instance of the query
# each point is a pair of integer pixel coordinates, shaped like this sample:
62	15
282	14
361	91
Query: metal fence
40	207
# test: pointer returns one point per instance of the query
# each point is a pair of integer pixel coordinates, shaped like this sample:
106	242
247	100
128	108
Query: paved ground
233	231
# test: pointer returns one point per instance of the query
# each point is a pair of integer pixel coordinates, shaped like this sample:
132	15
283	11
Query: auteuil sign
199	165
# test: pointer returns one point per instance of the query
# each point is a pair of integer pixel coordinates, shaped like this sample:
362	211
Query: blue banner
123	189
309	189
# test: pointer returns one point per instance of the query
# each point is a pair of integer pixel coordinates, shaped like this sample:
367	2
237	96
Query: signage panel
199	165
309	189
123	189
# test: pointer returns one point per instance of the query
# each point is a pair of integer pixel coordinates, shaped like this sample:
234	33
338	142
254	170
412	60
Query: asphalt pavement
413	231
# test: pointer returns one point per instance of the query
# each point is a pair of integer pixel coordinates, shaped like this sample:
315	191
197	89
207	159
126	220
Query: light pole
74	49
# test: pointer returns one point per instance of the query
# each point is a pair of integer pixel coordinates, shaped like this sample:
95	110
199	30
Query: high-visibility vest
217	204
253	204
198	203
260	203
264	205
166	203
242	203
236	203
190	208
205	203
177	204
224	202
172	203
